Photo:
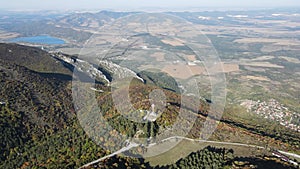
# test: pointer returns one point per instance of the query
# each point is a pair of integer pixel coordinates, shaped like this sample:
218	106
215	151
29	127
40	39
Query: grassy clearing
185	147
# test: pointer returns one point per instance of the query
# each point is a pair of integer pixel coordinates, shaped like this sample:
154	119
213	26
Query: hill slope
33	58
39	124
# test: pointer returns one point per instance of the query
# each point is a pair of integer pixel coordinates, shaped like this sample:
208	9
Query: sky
141	4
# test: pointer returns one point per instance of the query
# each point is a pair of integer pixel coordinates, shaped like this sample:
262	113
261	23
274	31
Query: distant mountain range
76	27
38	121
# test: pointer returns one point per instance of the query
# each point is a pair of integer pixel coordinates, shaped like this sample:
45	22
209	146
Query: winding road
132	145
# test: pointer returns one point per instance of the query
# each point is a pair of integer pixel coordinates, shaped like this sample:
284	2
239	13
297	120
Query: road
225	143
206	141
132	145
289	154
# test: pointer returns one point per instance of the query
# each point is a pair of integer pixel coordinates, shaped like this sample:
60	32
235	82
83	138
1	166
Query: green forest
39	127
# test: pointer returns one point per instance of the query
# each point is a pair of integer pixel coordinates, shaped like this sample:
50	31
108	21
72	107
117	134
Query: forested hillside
39	127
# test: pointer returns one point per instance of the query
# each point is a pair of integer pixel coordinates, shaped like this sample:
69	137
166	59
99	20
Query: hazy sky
138	4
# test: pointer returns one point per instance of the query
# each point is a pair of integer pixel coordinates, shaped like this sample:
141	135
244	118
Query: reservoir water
42	39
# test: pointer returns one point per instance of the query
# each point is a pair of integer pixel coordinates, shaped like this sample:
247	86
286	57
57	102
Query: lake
42	39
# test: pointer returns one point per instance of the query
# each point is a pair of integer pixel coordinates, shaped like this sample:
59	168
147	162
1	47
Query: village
274	111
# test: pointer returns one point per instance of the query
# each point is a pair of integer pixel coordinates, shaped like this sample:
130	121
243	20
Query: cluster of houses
274	111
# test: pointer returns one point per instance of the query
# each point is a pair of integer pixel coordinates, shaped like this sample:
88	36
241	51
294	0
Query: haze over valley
135	89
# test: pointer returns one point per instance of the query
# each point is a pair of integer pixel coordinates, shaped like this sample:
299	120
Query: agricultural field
166	90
